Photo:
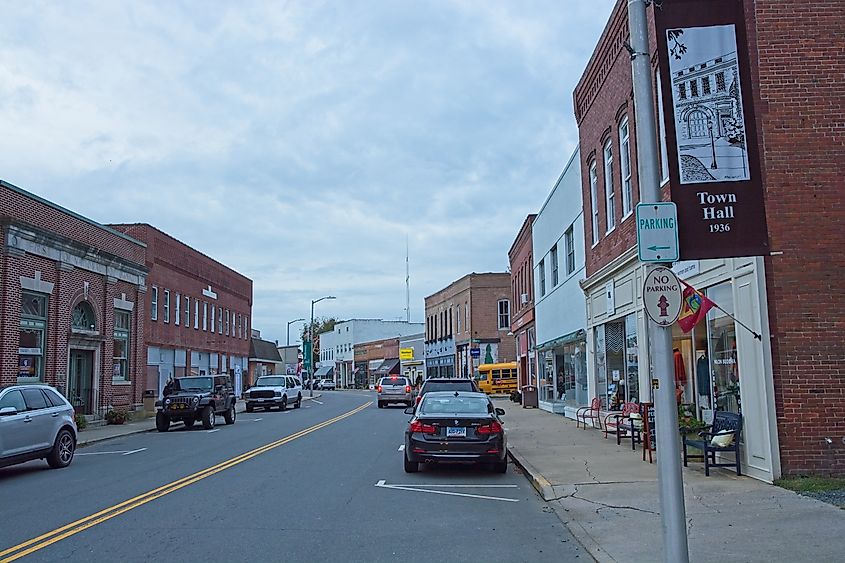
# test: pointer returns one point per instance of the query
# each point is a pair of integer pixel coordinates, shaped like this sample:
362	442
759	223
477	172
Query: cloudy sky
300	142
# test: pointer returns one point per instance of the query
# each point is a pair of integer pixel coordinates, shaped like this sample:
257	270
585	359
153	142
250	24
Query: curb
547	492
82	442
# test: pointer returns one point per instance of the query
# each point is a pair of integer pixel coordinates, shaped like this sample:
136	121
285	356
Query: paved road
323	483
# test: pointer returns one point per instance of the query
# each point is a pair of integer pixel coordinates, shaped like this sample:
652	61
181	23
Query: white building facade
559	302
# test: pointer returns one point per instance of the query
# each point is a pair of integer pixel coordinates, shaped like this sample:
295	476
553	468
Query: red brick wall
68	290
486	291
800	105
522	271
181	269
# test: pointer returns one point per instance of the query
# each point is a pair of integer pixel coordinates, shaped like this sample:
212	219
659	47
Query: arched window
83	317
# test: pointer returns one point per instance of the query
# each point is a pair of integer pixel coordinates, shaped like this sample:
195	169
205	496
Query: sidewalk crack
618	507
590	473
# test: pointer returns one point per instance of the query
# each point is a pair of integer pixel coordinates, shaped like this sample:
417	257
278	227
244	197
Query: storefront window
547	377
614	334
601	366
31	337
573	359
632	372
723	359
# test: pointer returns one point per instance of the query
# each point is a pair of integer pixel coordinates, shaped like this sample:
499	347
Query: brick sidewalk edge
547	492
82	442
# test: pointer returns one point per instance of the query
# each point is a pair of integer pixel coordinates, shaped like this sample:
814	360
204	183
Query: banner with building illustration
707	98
711	140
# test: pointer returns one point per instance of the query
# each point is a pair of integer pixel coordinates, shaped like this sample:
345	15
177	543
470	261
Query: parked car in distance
394	389
197	398
446	384
274	391
36	422
326	384
455	426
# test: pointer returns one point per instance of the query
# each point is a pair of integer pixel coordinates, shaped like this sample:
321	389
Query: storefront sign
657	232
714	163
26	367
475	352
406	354
662	296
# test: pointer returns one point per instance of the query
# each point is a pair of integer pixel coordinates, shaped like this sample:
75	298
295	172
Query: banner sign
406	354
711	137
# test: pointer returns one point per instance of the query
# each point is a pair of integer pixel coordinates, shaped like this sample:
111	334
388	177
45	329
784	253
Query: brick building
789	385
470	313
198	311
520	257
372	358
73	305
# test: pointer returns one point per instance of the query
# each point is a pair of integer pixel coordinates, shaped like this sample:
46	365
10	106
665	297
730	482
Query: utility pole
669	476
290	323
407	283
311	335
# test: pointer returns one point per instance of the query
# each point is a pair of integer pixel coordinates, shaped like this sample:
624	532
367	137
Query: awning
575	336
325	371
386	367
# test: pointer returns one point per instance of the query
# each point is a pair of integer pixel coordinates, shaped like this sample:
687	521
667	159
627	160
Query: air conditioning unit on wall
523	299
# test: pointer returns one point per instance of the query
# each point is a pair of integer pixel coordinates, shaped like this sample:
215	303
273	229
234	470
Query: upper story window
625	167
682	90
504	314
196	314
227	322
609	192
154	304
554	266
693	88
219	320
167	305
178	310
542	267
569	242
720	81
458	316
187	312
83	317
594	203
211	326
705	85
204	315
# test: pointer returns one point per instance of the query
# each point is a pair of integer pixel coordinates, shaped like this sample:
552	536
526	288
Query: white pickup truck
274	391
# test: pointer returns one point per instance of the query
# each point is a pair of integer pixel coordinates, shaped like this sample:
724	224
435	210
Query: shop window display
601	365
724	369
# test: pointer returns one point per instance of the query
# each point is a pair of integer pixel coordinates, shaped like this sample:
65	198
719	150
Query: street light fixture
311	336
290	323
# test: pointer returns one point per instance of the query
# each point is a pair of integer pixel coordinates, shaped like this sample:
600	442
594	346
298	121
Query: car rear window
450	386
398	381
457	405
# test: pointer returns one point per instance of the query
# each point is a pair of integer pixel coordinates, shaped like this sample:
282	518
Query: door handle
27	419
54	415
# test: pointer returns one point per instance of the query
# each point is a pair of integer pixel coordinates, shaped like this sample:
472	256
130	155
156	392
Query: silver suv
394	389
36	422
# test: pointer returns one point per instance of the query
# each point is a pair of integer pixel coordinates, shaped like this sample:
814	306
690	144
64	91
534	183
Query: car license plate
456	432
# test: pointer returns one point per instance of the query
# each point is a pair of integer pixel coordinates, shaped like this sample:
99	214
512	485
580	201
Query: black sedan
455	426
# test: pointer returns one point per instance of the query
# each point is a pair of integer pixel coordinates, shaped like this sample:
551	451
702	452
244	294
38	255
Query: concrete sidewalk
608	498
94	434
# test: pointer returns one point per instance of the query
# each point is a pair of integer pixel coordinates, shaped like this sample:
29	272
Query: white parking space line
418	489
116	452
211	431
316	401
461	486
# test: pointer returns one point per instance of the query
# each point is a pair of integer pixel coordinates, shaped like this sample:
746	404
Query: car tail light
492	428
419	398
407	389
378	389
418	426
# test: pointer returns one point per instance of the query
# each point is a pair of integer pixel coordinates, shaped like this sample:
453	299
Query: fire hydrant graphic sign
662	295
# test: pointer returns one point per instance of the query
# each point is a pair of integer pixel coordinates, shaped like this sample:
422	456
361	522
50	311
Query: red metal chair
627	410
592	412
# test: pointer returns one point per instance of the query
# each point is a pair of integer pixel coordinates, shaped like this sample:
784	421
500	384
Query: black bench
723	423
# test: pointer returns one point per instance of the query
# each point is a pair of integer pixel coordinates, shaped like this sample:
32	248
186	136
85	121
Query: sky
301	143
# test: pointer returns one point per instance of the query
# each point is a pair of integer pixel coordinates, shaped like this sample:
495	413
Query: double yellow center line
57	535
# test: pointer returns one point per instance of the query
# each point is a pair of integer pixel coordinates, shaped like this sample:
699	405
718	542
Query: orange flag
693	307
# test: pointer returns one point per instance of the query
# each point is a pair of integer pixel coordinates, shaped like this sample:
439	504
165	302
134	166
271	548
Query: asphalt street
321	483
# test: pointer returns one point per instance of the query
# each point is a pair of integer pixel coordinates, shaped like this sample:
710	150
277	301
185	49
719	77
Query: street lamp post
290	323
311	336
713	165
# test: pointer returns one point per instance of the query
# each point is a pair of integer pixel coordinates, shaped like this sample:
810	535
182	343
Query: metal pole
311	352
669	476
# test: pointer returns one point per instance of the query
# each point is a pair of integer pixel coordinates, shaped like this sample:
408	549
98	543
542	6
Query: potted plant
116	416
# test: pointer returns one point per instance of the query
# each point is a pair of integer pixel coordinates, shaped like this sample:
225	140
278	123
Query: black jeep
196	398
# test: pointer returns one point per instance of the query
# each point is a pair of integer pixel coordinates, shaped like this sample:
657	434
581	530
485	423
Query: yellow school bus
497	378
